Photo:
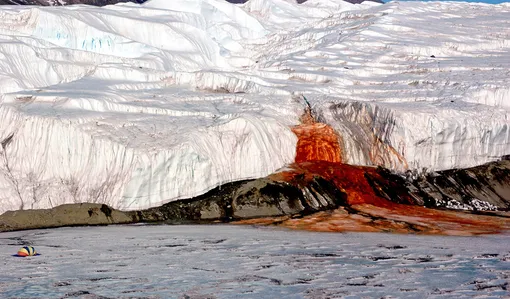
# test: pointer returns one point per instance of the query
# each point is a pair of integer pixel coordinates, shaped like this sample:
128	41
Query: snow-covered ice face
137	105
240	262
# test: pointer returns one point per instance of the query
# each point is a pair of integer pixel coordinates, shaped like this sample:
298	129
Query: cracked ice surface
241	262
138	105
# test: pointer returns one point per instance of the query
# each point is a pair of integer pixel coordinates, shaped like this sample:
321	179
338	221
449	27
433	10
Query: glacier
138	105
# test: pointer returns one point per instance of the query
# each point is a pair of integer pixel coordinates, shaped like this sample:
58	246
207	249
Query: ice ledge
430	136
46	161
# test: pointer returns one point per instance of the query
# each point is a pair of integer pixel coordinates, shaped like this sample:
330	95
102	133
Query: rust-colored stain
365	211
316	141
348	178
319	154
416	220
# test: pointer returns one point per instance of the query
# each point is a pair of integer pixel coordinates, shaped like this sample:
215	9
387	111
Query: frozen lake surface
223	261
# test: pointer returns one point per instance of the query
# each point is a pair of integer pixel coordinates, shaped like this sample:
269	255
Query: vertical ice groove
67	165
240	148
420	139
139	105
52	163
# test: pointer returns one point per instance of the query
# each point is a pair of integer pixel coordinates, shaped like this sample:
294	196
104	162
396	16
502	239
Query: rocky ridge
319	192
362	199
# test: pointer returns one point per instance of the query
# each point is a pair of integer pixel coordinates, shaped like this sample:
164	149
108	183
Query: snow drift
138	105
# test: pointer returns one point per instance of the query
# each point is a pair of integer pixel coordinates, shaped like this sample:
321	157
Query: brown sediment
362	197
350	179
416	220
366	211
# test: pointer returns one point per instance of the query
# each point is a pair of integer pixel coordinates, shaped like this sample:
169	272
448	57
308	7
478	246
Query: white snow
138	105
242	262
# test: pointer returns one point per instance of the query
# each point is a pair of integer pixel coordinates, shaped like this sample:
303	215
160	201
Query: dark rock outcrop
333	195
250	199
485	187
378	200
234	201
64	215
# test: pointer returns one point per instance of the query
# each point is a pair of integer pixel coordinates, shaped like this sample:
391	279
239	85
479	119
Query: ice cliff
138	105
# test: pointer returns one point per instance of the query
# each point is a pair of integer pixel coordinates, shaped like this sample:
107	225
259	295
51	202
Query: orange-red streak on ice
317	142
319	153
